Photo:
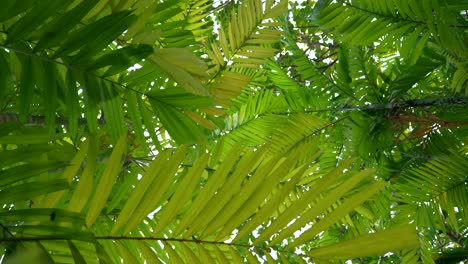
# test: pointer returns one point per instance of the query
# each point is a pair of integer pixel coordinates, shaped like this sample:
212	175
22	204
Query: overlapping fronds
197	205
437	188
299	95
267	117
137	131
315	87
174	24
74	60
253	122
34	157
409	25
245	41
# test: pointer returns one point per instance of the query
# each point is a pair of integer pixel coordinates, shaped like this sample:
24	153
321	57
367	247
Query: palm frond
437	188
410	24
195	222
244	42
76	76
201	132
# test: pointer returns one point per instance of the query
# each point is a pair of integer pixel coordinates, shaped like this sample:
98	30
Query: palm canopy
236	131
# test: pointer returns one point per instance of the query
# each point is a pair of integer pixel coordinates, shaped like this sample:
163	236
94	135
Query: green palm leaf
240	131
